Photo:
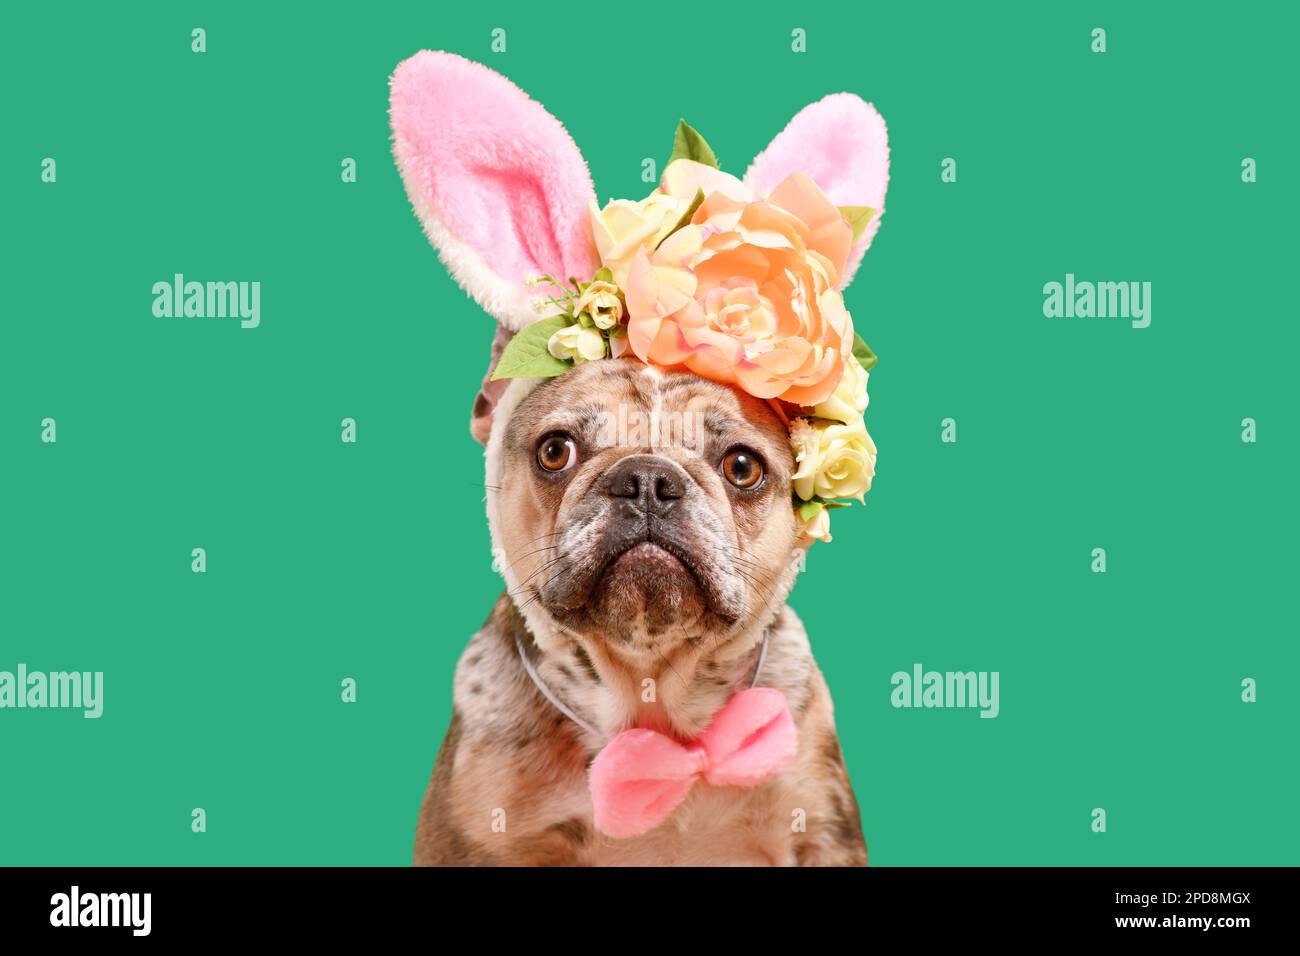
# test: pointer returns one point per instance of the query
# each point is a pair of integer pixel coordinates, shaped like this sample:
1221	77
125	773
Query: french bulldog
641	518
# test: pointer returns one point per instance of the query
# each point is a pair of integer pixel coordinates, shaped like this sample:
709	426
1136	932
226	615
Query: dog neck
607	689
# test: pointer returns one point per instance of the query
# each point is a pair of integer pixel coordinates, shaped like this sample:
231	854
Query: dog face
645	508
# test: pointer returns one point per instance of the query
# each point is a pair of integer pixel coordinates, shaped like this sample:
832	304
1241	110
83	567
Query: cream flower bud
818	527
602	303
806	441
573	342
618	344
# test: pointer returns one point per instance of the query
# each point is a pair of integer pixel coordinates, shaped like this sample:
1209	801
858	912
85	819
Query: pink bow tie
642	775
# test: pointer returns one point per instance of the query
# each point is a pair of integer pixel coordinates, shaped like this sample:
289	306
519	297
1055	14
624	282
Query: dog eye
557	452
742	468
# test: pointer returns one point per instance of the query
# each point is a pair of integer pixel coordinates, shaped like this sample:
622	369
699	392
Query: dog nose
651	483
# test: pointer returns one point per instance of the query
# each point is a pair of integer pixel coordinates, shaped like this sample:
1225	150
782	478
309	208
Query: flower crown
738	288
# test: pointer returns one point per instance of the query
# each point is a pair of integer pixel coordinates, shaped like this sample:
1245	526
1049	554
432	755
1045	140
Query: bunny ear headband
736	280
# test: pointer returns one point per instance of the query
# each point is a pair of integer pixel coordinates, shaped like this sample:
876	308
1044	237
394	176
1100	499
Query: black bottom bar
1155	905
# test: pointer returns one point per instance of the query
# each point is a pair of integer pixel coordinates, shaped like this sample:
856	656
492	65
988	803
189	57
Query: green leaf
525	355
858	217
686	216
689	144
603	275
810	509
862	352
831	505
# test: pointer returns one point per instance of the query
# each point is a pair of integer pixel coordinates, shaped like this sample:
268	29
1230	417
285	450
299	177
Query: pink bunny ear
496	180
841	142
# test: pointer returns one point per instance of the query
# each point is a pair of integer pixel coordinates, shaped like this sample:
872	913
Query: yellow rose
576	343
849	400
624	227
602	303
834	460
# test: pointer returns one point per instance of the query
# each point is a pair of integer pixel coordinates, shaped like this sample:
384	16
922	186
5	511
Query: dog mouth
651	566
648	556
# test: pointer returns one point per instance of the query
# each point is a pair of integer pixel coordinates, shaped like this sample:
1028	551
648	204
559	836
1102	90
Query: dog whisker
543	567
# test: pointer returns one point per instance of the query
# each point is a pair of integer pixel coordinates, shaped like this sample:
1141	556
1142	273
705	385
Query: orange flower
745	293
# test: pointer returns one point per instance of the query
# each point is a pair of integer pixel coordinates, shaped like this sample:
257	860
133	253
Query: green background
325	560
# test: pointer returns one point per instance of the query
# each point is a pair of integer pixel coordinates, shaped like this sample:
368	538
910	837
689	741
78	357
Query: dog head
644	507
630	504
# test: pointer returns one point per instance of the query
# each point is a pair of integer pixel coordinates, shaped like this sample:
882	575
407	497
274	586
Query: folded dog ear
841	142
496	180
490	392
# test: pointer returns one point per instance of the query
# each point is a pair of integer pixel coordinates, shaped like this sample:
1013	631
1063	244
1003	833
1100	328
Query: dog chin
646	589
